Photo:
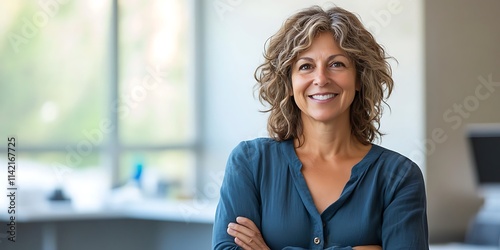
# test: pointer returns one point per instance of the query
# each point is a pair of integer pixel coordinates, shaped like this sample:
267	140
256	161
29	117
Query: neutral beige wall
462	54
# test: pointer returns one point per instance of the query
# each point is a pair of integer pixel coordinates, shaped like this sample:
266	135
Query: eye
305	66
338	65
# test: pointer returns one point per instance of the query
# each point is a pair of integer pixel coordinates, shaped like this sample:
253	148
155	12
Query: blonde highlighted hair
373	72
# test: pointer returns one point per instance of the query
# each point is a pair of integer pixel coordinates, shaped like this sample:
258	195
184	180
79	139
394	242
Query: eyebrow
328	59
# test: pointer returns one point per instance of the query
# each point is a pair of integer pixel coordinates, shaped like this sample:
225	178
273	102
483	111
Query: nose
321	77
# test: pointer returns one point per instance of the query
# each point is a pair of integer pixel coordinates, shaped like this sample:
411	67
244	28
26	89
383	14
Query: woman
319	182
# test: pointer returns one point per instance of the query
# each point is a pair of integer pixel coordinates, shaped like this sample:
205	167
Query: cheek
297	91
349	83
295	86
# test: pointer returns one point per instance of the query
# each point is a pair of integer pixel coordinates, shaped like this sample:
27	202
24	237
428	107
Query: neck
326	140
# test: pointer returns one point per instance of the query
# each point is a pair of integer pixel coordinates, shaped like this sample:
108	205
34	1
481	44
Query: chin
324	118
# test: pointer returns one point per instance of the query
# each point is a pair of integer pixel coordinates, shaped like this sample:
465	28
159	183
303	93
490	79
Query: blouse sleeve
405	217
239	196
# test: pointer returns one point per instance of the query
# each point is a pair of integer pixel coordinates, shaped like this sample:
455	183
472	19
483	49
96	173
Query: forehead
323	43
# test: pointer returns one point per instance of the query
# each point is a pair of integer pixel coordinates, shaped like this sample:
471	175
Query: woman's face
324	80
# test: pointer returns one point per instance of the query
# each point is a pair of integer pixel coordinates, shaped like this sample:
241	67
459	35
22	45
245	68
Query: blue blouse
383	203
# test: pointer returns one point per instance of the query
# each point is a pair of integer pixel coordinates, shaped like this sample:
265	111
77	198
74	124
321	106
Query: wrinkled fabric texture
383	203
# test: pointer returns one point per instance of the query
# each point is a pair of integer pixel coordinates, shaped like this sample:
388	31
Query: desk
147	224
460	246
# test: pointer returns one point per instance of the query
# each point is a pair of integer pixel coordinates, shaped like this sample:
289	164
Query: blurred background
124	111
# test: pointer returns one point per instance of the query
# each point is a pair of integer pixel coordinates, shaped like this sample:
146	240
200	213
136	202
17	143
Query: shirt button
316	240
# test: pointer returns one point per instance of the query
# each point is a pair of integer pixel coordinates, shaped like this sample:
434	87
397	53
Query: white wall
462	45
233	46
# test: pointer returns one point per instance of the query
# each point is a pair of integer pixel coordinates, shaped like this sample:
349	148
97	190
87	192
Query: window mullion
113	147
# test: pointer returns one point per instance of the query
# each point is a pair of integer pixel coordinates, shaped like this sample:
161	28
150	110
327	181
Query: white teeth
323	97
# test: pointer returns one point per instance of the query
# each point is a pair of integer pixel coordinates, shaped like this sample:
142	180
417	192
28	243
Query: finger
254	233
247	236
240	239
244	230
247	222
368	247
242	244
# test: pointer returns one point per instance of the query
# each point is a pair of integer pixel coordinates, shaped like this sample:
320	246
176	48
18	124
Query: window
155	94
100	86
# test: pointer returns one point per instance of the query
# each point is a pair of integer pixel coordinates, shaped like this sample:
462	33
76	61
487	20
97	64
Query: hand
373	247
246	234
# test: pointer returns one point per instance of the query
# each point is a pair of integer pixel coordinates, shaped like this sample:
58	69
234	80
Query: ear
358	86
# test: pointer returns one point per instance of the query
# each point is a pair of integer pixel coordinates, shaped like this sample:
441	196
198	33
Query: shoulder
255	157
258	146
261	152
395	165
393	159
261	142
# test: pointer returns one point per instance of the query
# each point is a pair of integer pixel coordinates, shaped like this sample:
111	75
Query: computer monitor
484	147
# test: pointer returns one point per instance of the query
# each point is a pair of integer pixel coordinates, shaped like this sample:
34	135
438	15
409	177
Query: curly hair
296	35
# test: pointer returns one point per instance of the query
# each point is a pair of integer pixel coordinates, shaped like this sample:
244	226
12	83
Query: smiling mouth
323	97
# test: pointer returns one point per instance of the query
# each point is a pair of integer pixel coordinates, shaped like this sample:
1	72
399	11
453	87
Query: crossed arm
248	237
